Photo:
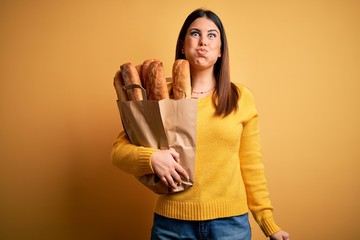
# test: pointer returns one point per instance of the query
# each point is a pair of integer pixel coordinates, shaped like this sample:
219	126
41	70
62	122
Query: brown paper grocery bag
162	124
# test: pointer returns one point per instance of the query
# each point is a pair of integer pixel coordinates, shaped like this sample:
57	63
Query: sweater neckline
205	100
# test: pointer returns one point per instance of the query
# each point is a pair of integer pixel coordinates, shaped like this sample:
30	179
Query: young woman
229	173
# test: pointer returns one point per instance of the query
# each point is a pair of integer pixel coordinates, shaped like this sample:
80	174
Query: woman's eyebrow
213	30
210	30
194	29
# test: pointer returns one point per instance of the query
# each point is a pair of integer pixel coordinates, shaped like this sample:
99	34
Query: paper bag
162	124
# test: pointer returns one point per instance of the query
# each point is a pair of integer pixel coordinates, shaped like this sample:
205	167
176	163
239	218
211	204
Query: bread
131	76
118	84
139	71
144	70
156	86
181	79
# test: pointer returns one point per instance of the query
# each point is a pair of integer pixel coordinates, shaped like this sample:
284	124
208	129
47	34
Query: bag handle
132	86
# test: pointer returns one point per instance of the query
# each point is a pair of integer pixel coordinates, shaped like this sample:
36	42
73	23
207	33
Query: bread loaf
144	70
118	84
181	79
131	76
155	81
139	71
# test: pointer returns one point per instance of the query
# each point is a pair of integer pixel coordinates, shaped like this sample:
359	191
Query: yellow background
58	115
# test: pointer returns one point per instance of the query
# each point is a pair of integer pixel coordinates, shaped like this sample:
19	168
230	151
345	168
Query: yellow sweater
229	173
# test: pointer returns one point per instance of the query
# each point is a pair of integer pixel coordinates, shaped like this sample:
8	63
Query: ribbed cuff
269	227
145	161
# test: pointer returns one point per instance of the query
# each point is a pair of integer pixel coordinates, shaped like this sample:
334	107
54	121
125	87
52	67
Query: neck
203	83
202	80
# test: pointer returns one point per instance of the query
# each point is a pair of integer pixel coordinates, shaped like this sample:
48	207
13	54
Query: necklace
202	92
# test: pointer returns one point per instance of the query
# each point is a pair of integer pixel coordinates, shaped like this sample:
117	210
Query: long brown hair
226	95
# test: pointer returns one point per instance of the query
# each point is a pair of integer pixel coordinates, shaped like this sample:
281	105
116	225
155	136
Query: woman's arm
252	167
140	161
132	159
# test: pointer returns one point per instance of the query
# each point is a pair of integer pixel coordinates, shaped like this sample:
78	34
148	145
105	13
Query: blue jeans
231	228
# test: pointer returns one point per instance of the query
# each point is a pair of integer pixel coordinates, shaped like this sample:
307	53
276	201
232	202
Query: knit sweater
229	174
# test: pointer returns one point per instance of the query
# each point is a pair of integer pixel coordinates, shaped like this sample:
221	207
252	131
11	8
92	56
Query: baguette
156	85
181	79
139	71
131	76
144	77
118	84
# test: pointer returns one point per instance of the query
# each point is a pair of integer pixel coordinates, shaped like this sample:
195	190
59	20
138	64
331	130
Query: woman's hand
166	165
281	235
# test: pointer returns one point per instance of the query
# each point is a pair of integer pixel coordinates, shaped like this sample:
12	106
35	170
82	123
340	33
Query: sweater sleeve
252	169
135	160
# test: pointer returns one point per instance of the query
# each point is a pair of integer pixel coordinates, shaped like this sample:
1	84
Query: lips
201	51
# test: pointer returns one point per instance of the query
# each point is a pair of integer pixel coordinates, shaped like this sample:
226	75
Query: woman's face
202	44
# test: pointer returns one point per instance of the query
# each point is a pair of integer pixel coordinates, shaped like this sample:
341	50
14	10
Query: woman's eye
194	34
212	35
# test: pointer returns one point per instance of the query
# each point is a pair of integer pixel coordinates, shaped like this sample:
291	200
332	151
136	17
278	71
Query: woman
229	175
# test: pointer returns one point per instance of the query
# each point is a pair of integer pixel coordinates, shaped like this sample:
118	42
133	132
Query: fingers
181	171
173	178
281	235
170	181
166	166
174	154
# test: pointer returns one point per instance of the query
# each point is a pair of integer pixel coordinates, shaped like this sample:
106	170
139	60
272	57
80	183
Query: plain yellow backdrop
58	115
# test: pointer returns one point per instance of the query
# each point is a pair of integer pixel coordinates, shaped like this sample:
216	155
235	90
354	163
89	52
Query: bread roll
131	76
181	79
156	85
118	84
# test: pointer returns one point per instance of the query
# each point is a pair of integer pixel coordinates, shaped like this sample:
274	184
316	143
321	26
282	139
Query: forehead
204	23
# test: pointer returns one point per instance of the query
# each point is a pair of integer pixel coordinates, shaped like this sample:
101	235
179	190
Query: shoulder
244	92
246	102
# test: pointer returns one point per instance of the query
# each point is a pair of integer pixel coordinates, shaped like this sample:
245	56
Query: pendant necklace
202	92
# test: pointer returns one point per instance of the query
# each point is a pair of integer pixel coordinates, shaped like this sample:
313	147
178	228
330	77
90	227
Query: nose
203	41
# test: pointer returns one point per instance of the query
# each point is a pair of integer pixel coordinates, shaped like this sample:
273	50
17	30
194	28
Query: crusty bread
131	76
139	71
144	70
156	85
118	84
181	79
